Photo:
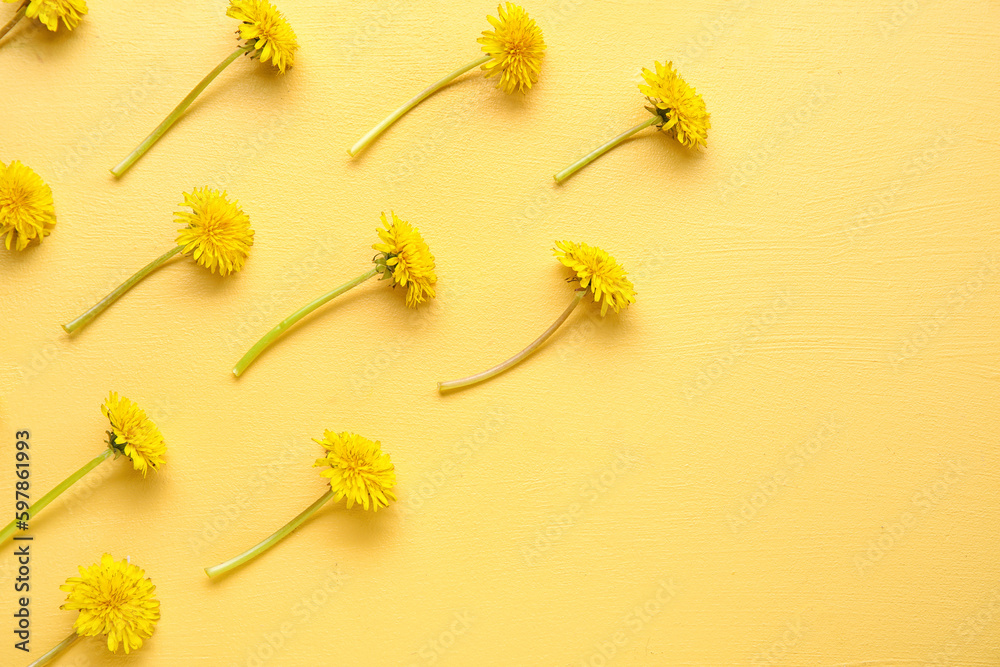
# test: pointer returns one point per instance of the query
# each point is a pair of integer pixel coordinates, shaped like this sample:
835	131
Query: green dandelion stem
517	358
253	552
18	15
101	305
602	149
178	111
43	502
373	133
287	323
55	650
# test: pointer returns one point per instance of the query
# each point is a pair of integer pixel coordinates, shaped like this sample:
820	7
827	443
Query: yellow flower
516	47
599	271
358	470
26	209
217	231
680	108
50	11
133	434
407	259
263	23
114	599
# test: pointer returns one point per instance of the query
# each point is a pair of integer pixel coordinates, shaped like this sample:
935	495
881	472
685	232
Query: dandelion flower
132	434
513	49
267	30
217	231
26	209
357	470
266	36
216	234
49	13
677	111
402	257
406	259
597	272
115	599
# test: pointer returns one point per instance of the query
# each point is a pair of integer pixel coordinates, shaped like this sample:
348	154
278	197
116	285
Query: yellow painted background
784	453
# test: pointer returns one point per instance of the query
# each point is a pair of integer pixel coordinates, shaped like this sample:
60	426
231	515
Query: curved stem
56	650
373	133
253	552
155	135
500	368
18	15
602	149
285	324
54	493
118	291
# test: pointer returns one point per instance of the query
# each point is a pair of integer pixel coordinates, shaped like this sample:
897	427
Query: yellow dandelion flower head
681	109
406	259
357	470
599	271
516	47
26	209
50	11
216	232
115	599
265	27
133	434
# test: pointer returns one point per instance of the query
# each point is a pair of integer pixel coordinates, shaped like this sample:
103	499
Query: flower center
16	198
113	600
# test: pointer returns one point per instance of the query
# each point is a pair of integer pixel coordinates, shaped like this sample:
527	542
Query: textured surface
784	453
